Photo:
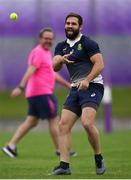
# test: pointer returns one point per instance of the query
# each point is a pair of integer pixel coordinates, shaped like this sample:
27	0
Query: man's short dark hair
46	29
80	19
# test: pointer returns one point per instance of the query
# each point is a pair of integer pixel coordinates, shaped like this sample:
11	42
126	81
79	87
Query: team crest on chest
79	47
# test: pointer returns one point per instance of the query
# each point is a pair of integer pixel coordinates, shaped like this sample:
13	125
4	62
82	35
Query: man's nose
70	25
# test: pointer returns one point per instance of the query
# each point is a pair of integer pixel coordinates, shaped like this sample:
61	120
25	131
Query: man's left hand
83	85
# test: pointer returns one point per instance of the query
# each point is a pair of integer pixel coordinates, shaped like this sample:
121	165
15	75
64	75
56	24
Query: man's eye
71	24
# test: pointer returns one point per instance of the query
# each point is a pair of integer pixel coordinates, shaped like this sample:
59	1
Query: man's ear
81	27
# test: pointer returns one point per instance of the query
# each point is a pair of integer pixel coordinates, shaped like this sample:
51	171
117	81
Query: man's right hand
66	60
59	60
16	92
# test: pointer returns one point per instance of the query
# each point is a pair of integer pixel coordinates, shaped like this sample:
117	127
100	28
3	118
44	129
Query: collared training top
80	52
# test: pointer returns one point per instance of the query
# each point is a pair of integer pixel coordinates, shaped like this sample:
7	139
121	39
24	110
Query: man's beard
73	35
47	45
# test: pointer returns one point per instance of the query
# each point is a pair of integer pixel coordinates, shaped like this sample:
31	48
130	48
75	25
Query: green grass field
36	157
16	108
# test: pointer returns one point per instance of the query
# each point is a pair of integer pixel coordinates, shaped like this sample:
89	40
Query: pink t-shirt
43	80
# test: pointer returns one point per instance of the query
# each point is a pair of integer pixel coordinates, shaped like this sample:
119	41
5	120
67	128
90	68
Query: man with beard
84	62
39	81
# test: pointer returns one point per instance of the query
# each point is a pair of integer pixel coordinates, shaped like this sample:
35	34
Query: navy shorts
42	106
77	100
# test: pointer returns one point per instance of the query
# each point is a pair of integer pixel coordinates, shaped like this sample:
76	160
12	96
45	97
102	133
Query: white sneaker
10	152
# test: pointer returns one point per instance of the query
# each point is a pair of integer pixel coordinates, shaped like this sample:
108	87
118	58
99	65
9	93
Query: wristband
21	88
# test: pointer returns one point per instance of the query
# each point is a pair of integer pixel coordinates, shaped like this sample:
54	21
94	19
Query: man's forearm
24	80
62	81
31	69
96	70
57	63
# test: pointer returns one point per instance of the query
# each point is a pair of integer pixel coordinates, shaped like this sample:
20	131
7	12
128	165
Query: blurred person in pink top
38	83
